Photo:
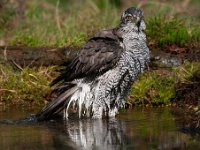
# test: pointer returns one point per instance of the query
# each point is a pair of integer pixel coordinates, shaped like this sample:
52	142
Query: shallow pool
138	128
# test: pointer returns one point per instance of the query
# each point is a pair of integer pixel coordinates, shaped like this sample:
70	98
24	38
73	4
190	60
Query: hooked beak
138	21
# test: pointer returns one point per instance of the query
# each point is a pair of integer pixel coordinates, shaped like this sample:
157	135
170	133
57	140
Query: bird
97	81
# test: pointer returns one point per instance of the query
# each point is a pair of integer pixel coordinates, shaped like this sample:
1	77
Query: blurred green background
70	22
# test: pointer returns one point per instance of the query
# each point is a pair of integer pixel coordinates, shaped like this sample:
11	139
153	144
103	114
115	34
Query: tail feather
57	105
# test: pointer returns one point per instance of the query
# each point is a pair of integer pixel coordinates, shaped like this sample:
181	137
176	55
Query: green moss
153	88
25	86
158	87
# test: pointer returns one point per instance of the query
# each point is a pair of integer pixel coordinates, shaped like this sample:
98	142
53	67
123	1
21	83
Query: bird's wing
99	54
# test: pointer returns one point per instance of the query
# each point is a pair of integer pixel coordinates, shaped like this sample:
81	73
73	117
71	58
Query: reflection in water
97	134
132	129
135	129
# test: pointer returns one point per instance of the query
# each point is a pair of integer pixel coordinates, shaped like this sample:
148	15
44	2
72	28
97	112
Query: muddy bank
188	93
36	56
47	56
188	98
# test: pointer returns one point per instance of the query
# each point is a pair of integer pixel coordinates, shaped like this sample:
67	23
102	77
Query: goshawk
97	81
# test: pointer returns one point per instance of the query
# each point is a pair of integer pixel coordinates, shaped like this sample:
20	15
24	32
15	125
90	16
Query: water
133	129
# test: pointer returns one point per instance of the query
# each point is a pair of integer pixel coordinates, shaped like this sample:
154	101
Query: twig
5	53
18	66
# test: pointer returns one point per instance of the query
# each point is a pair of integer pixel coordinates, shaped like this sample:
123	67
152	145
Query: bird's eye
128	18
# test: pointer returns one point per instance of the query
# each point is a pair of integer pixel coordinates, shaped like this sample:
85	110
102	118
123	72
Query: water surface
139	128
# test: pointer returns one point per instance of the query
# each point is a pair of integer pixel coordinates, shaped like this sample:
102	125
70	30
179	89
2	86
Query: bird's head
133	17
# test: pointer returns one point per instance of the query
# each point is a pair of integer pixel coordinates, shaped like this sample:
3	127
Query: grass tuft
26	40
164	31
185	72
195	35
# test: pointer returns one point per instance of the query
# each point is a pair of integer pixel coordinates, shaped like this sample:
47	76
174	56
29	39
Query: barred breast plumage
98	80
